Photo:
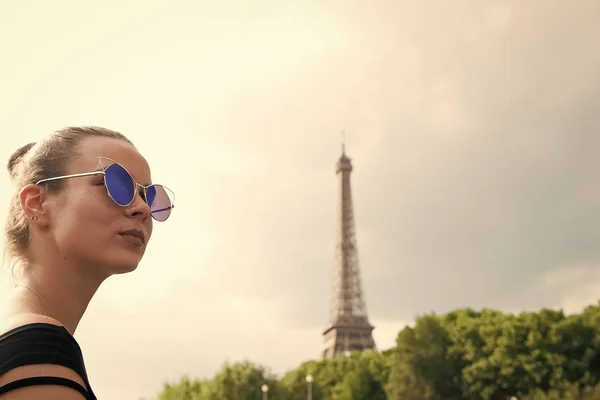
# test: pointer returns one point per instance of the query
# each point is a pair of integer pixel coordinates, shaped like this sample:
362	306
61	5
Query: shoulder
49	392
23	319
50	352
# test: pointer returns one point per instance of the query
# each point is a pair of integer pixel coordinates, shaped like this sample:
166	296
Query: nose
139	208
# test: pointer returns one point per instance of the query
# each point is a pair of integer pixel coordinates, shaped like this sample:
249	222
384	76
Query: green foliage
237	381
467	354
464	354
425	363
566	391
361	374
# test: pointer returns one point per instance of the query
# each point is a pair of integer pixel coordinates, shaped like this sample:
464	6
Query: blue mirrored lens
119	184
159	201
150	195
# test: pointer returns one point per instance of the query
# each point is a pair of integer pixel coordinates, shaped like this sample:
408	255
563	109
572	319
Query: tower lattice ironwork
349	328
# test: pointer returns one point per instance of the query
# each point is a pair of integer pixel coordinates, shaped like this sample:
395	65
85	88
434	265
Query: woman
82	211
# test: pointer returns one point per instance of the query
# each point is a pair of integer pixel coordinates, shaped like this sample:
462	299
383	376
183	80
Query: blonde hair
34	162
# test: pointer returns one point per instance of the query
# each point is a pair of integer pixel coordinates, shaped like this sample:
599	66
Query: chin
122	265
123	269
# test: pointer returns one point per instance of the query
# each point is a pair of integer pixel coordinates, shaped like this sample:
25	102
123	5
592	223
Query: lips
134	234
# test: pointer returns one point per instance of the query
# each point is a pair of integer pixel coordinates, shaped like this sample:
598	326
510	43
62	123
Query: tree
464	354
425	365
362	375
186	389
239	381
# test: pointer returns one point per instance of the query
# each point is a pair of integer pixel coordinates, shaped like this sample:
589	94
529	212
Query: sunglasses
122	189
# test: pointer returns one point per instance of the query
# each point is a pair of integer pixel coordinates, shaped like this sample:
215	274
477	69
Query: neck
59	291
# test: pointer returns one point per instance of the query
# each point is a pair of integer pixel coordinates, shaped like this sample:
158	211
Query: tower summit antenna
343	142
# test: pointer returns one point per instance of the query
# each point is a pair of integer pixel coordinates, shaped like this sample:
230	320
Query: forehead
91	148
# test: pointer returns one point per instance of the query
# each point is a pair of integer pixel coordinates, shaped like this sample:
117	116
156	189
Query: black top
42	343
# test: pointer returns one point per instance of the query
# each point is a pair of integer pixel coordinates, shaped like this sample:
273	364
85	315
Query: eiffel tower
349	328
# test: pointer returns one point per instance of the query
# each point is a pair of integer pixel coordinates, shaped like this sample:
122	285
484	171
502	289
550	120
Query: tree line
464	354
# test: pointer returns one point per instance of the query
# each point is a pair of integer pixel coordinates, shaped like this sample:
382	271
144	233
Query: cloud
574	287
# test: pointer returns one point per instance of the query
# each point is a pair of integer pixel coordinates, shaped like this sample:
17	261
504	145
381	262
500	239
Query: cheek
86	211
149	227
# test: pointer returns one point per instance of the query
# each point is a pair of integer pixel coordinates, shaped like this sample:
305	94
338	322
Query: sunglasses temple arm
163	209
69	176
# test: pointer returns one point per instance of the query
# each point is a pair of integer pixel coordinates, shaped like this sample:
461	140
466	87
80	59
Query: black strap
44	380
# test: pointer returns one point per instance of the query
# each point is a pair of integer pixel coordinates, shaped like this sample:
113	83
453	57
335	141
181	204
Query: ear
32	198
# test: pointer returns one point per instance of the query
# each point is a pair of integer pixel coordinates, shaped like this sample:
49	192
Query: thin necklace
39	297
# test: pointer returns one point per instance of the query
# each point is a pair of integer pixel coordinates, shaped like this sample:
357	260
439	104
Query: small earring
33	218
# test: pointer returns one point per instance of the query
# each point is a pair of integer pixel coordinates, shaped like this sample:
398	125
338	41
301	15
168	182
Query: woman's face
86	225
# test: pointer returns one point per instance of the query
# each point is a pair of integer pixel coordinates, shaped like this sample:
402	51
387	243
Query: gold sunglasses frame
135	183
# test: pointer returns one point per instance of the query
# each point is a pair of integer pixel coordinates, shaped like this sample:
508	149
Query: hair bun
16	157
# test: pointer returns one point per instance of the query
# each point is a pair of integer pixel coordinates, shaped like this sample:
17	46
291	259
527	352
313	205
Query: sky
473	127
